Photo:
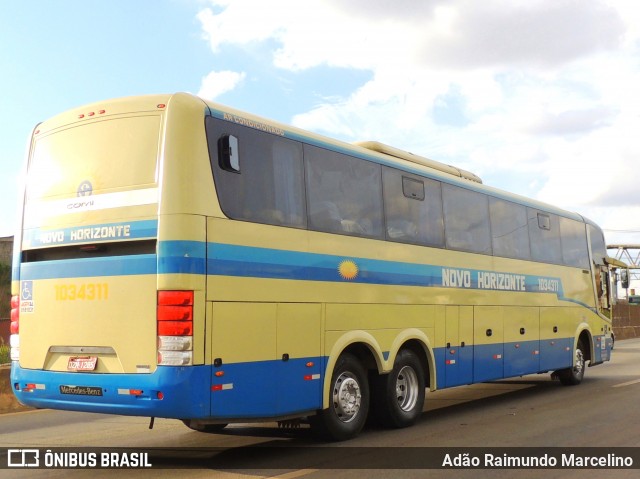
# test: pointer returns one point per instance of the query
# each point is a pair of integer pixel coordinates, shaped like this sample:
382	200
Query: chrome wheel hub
347	397
407	388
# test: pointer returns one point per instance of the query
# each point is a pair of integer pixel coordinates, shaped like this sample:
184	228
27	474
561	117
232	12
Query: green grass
4	354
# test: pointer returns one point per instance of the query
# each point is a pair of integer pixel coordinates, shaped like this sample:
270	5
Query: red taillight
175	313
175	328
14	328
15	314
175	306
175	298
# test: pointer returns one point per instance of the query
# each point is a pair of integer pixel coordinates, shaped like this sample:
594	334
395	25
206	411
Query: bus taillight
175	328
14	339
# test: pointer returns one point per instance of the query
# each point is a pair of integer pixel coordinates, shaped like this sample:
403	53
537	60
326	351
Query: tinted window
344	193
509	231
466	219
598	245
413	208
269	185
574	243
544	235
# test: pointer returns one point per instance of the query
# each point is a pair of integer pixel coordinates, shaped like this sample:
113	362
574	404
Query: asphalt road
530	412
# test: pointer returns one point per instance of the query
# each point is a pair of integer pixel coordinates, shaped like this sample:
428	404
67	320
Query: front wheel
349	402
399	396
573	376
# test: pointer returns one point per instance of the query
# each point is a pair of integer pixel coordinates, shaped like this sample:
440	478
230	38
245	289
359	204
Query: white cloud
539	94
217	83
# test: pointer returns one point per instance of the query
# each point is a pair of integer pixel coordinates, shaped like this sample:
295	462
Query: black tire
398	397
348	402
573	376
197	426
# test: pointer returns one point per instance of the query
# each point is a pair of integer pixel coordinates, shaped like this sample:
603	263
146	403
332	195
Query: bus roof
369	150
106	108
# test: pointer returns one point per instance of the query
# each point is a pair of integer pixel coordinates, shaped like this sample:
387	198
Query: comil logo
85	188
23	458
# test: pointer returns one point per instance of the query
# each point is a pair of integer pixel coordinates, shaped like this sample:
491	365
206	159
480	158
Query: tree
5	291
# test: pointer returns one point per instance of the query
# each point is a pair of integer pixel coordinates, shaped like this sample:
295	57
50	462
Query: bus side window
344	193
573	236
544	235
466	220
509	229
413	208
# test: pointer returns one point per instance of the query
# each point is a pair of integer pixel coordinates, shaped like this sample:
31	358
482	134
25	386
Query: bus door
458	360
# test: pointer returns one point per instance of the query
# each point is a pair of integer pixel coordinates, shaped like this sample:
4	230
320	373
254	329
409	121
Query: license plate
81	390
82	363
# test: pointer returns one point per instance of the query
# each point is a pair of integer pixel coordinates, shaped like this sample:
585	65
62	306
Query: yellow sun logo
348	269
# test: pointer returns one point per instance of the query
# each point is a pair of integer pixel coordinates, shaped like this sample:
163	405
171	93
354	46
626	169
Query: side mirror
624	278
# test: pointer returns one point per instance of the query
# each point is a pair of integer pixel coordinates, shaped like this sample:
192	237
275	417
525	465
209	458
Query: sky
537	97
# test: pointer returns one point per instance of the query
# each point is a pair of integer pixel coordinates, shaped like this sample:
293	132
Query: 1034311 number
82	292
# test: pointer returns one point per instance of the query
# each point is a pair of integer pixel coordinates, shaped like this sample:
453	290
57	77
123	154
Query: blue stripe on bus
245	261
182	257
194	257
90	267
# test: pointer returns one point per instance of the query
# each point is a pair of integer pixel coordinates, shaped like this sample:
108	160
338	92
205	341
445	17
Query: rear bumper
169	392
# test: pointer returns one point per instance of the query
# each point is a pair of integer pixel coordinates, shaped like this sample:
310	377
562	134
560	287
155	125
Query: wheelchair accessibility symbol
27	291
26	297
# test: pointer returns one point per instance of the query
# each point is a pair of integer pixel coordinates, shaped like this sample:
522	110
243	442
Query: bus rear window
94	157
258	176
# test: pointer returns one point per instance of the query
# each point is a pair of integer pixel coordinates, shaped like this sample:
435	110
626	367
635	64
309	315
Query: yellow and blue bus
180	259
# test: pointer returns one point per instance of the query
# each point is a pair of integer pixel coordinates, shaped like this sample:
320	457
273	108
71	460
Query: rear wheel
399	395
573	376
349	402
